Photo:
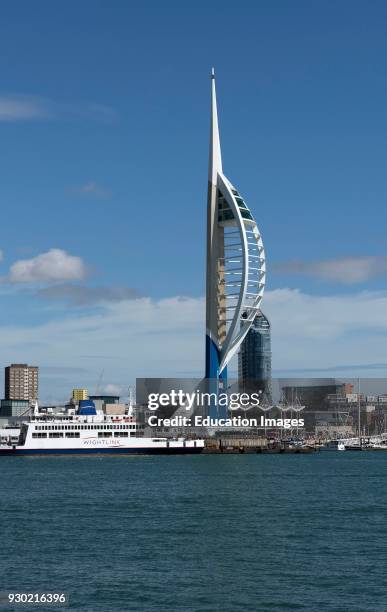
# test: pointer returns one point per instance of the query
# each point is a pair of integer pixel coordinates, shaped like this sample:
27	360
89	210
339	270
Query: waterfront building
254	358
100	401
21	382
313	393
235	274
14	407
80	394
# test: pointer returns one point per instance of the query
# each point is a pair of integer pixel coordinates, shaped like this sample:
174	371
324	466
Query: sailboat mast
358	409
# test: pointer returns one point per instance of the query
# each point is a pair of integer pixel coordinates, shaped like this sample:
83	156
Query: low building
101	400
311	393
114	408
12	407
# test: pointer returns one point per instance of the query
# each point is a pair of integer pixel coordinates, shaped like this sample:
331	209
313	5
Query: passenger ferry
88	431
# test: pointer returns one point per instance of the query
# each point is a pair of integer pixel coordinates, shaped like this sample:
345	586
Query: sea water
198	533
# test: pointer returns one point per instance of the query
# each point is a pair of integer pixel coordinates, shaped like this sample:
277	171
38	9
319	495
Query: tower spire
215	162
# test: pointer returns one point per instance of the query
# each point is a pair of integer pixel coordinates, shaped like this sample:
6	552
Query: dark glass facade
254	359
11	407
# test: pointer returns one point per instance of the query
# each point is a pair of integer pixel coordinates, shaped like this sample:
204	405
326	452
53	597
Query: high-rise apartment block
254	363
21	382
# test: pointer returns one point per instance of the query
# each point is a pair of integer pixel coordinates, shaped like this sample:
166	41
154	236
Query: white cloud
347	270
92	188
55	265
112	389
24	107
126	339
81	295
311	331
148	338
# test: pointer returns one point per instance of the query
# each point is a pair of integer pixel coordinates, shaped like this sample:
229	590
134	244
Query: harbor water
198	533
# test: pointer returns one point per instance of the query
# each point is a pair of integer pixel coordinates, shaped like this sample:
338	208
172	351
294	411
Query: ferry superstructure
97	432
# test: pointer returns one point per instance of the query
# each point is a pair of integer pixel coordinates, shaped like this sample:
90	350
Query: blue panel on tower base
217	383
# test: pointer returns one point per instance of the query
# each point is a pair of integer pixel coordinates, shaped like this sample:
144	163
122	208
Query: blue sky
104	119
